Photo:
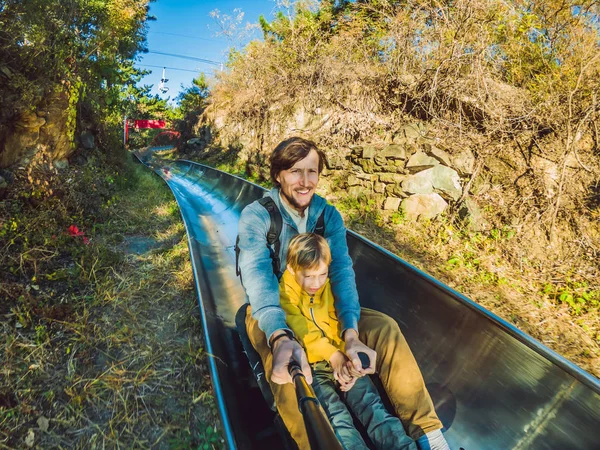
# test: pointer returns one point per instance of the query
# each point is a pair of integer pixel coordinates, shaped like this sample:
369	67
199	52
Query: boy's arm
307	332
341	272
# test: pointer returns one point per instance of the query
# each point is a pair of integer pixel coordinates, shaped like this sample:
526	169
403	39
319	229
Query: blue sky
185	27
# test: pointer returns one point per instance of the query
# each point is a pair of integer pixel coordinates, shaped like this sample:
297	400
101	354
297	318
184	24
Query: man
296	165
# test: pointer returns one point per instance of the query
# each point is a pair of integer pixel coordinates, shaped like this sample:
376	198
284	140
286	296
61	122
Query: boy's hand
341	372
353	347
346	387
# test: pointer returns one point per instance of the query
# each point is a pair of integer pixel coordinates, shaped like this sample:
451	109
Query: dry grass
104	348
484	267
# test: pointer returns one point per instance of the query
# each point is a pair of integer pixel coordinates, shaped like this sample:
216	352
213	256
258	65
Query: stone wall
411	174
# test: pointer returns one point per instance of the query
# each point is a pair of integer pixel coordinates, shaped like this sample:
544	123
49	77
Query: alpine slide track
494	387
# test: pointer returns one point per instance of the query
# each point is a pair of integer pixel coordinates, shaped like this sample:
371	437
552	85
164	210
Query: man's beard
294	203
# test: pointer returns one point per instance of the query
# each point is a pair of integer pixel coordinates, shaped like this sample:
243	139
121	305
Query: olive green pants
396	367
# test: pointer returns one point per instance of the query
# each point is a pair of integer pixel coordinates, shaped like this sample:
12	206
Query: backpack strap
238	272
273	241
320	226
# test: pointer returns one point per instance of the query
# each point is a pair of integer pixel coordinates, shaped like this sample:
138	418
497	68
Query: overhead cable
191	58
170	68
186	36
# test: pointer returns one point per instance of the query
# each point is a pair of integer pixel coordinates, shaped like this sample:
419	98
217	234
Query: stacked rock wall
411	174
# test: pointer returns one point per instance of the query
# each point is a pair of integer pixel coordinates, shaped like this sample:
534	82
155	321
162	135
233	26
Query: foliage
193	98
192	101
79	47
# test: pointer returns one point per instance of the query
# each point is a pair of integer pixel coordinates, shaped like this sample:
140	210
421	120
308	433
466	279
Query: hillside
455	138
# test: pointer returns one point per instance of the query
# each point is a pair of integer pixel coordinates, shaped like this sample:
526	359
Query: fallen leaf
43	423
30	438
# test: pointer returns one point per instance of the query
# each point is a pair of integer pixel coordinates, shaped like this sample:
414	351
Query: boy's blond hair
307	251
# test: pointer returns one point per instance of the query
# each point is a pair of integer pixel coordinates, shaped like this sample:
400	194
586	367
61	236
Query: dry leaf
43	423
30	438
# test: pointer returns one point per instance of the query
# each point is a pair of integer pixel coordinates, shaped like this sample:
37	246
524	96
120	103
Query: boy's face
311	280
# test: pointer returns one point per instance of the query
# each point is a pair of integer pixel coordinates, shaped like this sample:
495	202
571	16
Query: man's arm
341	272
343	285
262	289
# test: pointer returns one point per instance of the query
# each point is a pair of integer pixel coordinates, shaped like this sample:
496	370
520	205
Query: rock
394	190
446	180
391	178
379	188
336	162
441	155
391	204
420	161
421	183
423	206
380	160
194	141
393	152
367	165
4	185
464	162
366	176
369	152
399	139
439	177
412	131
87	139
18	145
78	159
470	212
61	164
7	175
353	181
356	191
30	120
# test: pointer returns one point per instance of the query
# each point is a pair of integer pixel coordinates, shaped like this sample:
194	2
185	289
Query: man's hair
289	152
307	251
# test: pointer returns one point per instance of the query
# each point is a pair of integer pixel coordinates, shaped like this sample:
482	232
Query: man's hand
285	350
353	347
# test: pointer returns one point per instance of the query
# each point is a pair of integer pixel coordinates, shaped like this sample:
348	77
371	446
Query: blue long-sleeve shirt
261	284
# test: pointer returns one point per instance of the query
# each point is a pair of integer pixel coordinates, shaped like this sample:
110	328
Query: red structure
139	124
167	137
146	123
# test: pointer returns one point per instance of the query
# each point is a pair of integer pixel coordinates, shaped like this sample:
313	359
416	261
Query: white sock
434	440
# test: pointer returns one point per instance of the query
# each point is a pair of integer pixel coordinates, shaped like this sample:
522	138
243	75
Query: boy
307	300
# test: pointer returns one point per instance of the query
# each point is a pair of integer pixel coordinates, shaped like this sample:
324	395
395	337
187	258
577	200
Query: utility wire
191	58
186	36
171	68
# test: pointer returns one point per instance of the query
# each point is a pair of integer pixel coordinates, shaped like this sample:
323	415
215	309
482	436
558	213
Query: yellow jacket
312	319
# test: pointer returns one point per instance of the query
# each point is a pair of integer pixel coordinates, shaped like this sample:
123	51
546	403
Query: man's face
298	183
311	280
